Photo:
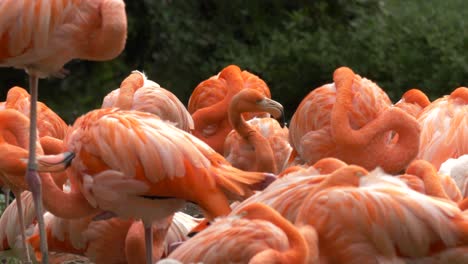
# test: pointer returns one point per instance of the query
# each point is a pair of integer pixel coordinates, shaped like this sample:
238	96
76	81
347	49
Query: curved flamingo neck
368	146
218	111
461	93
17	124
427	173
127	90
109	39
64	205
416	96
265	159
298	250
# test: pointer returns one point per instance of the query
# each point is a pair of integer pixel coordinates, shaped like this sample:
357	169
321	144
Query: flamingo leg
32	177
19	207
149	241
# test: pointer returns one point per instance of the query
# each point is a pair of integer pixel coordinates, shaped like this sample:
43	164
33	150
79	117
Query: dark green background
293	45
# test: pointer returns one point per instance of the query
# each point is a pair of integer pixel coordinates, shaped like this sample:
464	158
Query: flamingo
261	144
382	220
48	123
163	237
258	234
13	144
41	36
352	120
413	102
151	176
210	100
444	128
433	183
139	93
110	241
457	169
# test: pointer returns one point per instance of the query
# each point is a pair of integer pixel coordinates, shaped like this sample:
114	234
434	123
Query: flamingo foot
35	186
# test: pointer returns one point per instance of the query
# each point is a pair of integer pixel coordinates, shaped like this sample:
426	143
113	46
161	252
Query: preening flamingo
413	102
258	234
153	174
260	144
41	36
138	93
353	121
444	128
210	100
383	220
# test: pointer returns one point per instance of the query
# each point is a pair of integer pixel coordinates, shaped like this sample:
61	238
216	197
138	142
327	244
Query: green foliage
293	45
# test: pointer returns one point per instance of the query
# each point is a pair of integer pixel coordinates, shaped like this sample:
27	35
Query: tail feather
239	184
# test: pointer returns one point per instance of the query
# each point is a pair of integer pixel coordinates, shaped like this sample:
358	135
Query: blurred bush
293	45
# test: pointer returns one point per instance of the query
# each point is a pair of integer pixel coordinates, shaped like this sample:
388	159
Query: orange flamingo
242	240
413	102
457	169
433	183
310	126
113	240
152	175
355	125
163	238
13	144
444	126
48	123
139	93
260	144
41	36
287	194
210	100
383	220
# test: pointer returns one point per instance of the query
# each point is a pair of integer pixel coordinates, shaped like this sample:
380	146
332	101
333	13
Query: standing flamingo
345	127
259	235
444	128
210	100
41	36
151	176
260	144
139	93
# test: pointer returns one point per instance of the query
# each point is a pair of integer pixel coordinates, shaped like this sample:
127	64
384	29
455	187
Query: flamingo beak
55	163
274	108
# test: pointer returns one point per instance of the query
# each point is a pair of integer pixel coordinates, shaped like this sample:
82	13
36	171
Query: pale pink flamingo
138	93
210	100
41	36
260	144
353	121
444	128
457	169
258	234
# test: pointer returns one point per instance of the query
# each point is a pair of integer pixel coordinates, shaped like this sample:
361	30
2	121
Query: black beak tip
69	158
